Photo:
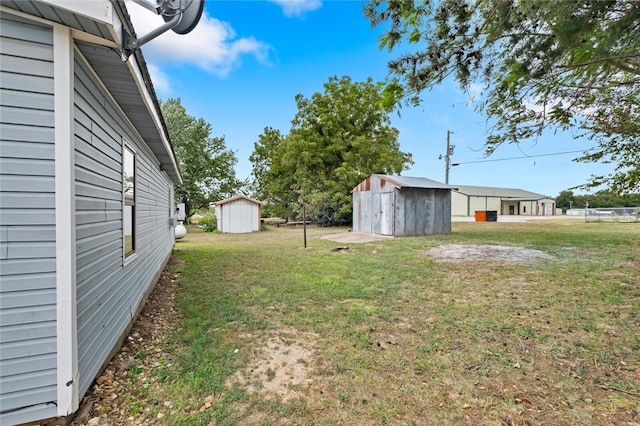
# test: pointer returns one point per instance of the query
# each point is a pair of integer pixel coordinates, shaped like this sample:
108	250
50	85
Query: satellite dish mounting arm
130	43
167	8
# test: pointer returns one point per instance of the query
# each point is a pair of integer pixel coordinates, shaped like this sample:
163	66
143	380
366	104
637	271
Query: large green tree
567	199
206	165
337	139
272	180
543	64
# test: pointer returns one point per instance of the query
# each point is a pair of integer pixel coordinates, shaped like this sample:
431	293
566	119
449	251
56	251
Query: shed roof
238	197
406	182
505	193
414	182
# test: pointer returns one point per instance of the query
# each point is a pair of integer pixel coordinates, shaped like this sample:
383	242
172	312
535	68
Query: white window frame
129	256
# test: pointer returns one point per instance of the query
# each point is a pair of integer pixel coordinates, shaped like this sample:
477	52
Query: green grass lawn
272	333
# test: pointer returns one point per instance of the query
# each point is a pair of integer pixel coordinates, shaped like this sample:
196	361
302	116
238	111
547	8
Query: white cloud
211	46
159	79
297	7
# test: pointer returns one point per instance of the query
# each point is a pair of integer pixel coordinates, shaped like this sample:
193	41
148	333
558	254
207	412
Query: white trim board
66	326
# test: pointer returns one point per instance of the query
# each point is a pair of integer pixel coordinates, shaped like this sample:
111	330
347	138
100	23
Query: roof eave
98	26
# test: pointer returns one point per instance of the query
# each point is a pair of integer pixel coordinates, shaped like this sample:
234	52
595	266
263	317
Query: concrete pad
355	237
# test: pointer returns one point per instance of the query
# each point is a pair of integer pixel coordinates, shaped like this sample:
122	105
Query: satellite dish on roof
190	15
181	16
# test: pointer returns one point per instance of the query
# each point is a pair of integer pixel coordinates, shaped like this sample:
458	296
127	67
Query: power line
524	156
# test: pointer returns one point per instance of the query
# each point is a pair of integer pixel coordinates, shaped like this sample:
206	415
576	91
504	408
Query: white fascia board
116	30
98	10
66	306
134	67
90	38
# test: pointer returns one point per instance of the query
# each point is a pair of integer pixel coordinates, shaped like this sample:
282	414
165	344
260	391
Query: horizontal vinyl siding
27	219
31	400
109	290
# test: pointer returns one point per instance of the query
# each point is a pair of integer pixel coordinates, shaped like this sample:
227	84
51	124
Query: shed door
383	213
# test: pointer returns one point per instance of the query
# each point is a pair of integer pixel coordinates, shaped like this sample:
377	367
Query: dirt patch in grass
281	364
477	253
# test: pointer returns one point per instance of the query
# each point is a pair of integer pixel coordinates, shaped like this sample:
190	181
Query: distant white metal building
466	199
239	214
401	206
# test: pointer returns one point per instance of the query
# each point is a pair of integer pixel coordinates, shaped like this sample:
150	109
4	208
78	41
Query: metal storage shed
401	206
86	216
239	214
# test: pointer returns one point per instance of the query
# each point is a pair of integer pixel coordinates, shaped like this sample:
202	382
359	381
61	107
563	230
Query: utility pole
447	157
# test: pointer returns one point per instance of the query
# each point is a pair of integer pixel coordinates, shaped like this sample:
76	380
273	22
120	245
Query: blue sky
242	66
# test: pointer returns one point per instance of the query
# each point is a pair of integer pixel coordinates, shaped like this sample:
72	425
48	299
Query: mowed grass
400	338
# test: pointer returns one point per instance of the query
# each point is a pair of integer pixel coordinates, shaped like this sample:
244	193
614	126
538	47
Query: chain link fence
607	214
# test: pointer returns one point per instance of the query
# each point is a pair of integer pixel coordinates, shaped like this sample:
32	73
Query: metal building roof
505	193
402	182
414	182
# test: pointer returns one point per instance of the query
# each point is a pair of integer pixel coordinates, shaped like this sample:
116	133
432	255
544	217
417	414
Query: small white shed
239	214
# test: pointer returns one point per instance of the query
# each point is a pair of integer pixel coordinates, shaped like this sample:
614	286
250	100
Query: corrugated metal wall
362	221
27	219
109	291
373	206
380	207
422	211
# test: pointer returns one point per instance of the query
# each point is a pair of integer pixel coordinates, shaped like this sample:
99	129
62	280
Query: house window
524	209
129	196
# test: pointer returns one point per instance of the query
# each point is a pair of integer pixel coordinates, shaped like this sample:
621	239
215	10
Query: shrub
208	223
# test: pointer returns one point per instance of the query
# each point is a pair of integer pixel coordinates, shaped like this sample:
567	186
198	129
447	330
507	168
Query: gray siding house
86	199
401	206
